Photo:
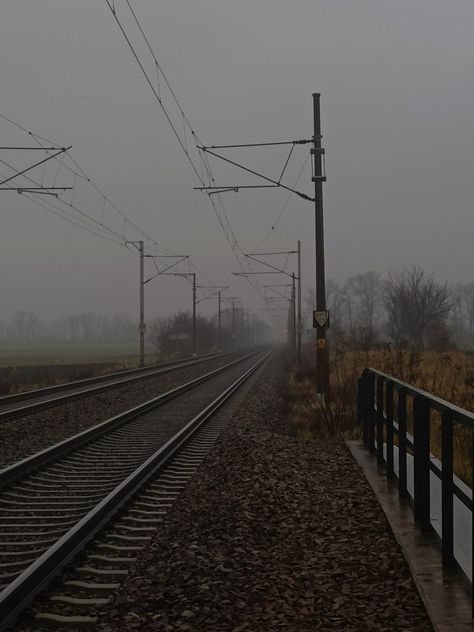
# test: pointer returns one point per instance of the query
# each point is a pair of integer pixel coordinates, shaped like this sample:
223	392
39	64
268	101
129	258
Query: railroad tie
60	620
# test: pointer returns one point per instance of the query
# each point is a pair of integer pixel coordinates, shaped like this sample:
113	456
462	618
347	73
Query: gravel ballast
273	533
24	436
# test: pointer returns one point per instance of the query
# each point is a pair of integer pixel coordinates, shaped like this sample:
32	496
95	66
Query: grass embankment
25	367
449	376
66	353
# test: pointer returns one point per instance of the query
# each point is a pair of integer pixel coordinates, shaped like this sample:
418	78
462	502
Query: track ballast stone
22	437
273	534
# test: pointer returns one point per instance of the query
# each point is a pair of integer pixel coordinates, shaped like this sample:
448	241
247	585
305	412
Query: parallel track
51	396
48	516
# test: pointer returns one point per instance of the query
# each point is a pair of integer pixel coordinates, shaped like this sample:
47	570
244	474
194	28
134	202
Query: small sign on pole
320	318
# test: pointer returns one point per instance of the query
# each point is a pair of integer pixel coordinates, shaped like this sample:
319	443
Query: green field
125	354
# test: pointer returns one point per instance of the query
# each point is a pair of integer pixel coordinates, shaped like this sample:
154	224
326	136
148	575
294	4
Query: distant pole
194	315
322	358
220	333
233	322
293	312
300	324
242	326
288	327
141	326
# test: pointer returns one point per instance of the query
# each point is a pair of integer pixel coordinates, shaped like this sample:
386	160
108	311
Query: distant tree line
25	327
173	335
409	308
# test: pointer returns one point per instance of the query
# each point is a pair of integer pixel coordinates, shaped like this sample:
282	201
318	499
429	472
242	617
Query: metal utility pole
194	314
143	282
321	315
217	290
233	322
142	326
184	275
221	298
293	312
220	332
293	327
266	182
299	326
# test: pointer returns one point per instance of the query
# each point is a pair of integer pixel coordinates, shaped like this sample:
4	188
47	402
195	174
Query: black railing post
370	411
421	462
362	405
389	428
402	443
472	524
387	417
380	420
447	489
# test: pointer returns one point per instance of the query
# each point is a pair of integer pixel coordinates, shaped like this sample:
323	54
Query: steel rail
136	375
57	388
22	590
26	466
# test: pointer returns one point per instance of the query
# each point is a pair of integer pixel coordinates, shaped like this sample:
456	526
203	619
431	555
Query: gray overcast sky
397	104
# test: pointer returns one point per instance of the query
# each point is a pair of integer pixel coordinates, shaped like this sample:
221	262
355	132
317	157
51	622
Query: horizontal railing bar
441	405
375	408
436	469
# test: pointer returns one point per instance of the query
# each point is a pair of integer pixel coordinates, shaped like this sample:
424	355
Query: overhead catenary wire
231	238
99	225
100	229
283	209
72	219
201	162
72	213
81	174
85	224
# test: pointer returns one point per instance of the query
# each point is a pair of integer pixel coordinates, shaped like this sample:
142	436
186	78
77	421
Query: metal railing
388	409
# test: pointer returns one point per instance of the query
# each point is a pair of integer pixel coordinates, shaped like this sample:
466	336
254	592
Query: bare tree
363	296
456	297
26	325
172	336
415	304
335	302
468	302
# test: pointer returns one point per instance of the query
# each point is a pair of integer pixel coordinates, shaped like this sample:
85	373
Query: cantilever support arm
256	173
269	265
172	265
37	164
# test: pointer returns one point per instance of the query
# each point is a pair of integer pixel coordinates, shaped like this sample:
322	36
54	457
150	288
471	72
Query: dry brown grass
449	376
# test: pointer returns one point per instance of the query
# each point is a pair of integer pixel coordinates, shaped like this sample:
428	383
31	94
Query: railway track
55	502
45	398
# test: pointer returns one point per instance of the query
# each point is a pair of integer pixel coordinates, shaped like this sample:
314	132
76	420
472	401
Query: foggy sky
397	107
